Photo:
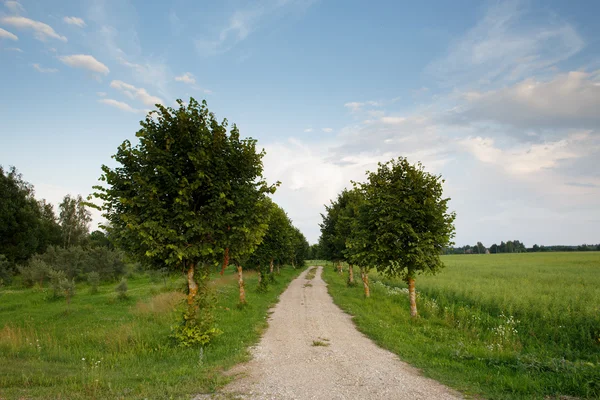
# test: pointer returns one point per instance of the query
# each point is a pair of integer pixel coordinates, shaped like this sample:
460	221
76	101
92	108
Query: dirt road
312	350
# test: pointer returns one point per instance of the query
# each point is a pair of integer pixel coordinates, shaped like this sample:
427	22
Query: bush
121	289
34	272
93	280
56	282
6	271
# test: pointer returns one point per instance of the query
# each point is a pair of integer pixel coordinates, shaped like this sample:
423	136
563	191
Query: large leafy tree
171	201
408	221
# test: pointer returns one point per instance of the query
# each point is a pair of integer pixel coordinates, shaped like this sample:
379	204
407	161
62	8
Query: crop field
499	326
103	347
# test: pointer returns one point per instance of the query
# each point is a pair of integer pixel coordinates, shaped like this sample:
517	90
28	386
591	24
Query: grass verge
498	326
102	347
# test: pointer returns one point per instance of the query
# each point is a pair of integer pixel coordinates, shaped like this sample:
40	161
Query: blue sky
501	98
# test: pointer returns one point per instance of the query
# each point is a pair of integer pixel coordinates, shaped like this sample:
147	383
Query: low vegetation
501	326
103	347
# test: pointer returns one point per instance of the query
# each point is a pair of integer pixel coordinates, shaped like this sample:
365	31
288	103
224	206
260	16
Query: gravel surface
312	350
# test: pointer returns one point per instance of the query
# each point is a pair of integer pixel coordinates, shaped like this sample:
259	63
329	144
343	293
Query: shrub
56	282
121	289
36	271
93	280
6	271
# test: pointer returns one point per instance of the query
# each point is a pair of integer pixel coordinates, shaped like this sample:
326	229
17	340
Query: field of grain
501	326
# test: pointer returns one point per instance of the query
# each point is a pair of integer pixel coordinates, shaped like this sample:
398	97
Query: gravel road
311	350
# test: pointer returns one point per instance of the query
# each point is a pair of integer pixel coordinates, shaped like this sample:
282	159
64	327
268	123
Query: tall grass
504	326
102	347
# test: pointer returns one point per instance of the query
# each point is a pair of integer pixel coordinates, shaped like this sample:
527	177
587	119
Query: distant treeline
515	246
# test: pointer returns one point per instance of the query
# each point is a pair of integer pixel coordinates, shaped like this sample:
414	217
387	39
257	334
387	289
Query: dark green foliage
99	239
26	225
6	271
121	289
169	201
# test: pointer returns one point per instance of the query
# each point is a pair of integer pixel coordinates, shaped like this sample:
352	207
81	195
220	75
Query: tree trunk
412	294
225	260
365	278
339	267
192	285
260	277
241	285
350	274
271	266
277	269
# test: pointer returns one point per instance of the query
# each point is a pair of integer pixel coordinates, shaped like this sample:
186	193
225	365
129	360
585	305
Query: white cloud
74	21
16	49
308	130
44	70
14	6
507	44
186	78
7	35
327	130
86	62
101	94
567	100
530	158
356	106
119	104
41	30
136	93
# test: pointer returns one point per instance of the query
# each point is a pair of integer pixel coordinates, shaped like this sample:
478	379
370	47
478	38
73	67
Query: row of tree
515	246
191	196
397	222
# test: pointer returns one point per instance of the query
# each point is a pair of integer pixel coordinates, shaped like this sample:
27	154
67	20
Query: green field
102	347
499	326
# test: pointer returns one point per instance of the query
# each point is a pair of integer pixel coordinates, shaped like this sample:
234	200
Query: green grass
108	348
507	326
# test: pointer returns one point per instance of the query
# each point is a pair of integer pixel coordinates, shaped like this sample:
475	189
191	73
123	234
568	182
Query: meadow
102	347
501	326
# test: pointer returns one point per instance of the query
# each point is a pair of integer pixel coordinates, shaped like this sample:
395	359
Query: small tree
121	289
94	281
6	271
408	218
56	282
67	287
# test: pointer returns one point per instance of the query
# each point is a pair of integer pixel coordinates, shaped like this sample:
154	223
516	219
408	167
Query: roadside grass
506	326
103	347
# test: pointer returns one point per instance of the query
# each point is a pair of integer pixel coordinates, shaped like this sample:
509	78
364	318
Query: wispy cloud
86	62
507	45
41	31
16	49
133	92
39	68
186	78
7	35
120	105
356	106
74	21
327	130
245	21
308	130
14	6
